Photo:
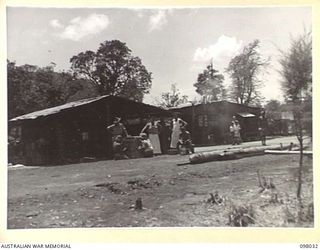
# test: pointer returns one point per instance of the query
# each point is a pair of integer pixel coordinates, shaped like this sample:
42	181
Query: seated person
145	148
119	149
185	141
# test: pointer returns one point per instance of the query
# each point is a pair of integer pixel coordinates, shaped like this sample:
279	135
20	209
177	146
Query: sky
174	44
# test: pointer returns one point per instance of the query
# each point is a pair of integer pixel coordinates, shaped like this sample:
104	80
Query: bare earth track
103	194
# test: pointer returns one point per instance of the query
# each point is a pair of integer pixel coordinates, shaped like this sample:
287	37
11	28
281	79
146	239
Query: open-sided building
74	130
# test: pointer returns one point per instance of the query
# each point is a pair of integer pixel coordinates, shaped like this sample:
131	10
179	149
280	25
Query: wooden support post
138	205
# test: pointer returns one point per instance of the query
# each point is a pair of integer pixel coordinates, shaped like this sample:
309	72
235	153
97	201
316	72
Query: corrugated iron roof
183	105
56	109
189	104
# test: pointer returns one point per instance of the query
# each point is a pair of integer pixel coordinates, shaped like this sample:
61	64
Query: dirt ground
104	193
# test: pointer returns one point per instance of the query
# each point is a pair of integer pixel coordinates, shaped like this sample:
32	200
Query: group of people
156	137
235	129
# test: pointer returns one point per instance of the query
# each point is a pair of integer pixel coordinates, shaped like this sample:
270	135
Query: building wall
72	134
65	137
209	123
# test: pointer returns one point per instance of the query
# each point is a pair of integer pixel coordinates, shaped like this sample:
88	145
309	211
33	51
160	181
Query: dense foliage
31	88
244	70
296	75
113	70
210	85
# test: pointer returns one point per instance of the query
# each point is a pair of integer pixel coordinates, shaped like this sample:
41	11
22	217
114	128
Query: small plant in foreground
265	183
241	216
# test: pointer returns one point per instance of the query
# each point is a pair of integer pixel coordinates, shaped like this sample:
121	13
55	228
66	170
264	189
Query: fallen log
305	152
231	154
211	156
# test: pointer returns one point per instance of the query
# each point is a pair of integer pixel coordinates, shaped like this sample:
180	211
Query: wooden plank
305	152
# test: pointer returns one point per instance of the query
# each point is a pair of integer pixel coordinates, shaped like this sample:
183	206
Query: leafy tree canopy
113	70
296	69
296	73
172	99
273	105
31	88
210	85
244	70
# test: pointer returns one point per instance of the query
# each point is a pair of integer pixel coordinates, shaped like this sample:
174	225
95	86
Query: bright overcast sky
174	44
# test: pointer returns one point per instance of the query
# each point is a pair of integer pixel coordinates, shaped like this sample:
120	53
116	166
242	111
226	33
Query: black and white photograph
161	116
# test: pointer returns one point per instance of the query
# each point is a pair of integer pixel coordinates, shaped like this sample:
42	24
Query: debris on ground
32	214
241	216
140	184
275	199
215	198
114	187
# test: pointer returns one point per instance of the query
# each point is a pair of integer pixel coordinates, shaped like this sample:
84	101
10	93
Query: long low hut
75	130
209	123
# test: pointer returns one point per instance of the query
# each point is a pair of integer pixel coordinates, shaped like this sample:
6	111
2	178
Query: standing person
164	136
116	129
176	131
231	131
236	130
262	127
152	128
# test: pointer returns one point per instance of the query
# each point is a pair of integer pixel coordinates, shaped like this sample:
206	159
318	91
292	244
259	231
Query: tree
209	85
296	72
31	88
273	109
113	70
244	70
273	105
297	69
273	115
172	99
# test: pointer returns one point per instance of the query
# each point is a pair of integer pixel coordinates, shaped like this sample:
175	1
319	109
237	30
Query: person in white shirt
177	123
145	147
153	130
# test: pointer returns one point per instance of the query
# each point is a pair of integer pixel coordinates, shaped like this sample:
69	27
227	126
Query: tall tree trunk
299	133
300	168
